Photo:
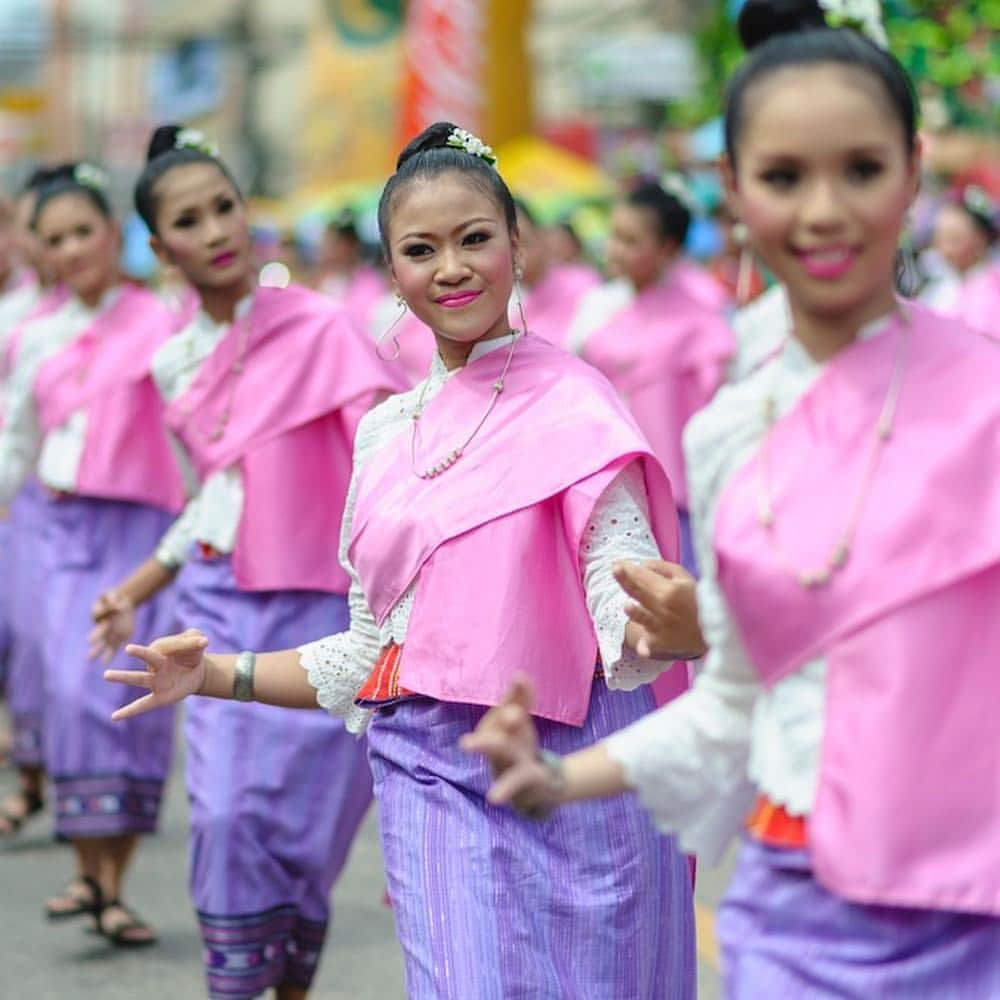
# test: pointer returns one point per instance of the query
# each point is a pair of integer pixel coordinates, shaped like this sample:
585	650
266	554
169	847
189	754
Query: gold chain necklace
841	550
444	464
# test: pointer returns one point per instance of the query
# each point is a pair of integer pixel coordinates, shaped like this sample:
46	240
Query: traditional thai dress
860	712
84	413
978	302
360	292
499	566
666	353
549	304
760	329
17	298
265	410
25	570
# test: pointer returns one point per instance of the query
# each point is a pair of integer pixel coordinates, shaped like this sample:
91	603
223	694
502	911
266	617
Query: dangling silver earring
908	276
744	270
518	278
401	302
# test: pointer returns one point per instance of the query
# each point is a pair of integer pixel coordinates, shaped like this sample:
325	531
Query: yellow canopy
537	169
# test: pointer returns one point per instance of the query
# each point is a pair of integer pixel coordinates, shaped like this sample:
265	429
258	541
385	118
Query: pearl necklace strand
433	471
841	550
235	371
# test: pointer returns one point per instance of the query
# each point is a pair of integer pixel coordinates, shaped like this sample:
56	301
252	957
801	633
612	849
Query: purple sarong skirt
5	592
276	794
785	937
108	776
26	596
489	905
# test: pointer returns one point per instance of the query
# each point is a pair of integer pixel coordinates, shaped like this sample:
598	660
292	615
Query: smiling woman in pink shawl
84	415
264	390
486	510
846	506
662	347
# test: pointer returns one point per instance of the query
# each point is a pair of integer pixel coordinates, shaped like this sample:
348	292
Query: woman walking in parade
664	349
486	509
847	511
84	416
264	388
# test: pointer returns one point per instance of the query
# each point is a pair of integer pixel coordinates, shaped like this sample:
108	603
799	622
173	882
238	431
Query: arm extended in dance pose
177	666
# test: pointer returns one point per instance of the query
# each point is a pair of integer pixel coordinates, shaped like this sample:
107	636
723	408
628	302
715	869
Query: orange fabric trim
382	686
773	825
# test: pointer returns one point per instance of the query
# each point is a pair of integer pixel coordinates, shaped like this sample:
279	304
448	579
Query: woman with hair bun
264	390
965	232
486	510
663	348
846	508
83	415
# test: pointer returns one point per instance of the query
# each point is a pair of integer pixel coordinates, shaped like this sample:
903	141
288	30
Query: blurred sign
186	81
659	66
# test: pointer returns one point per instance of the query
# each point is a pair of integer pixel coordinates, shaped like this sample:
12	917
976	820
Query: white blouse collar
480	349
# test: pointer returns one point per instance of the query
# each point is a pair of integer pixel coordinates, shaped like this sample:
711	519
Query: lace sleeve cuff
334	672
618	529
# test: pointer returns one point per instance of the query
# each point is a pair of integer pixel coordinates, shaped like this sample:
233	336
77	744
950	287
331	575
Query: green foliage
951	49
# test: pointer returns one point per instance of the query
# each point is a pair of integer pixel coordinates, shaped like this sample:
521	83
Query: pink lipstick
827	263
455	300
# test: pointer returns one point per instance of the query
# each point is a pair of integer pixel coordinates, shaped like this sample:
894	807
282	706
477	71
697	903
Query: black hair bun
60	172
433	137
761	20
163	140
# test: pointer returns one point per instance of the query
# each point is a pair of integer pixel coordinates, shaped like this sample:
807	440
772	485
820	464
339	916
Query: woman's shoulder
384	420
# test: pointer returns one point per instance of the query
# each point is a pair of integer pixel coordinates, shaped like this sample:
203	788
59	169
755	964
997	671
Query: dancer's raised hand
507	737
664	609
114	615
174	669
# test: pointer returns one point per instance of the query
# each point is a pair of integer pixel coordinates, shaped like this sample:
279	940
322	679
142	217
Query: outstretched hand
665	609
114	614
507	737
175	668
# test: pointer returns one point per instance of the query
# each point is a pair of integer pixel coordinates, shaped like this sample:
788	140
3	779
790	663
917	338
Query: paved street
41	961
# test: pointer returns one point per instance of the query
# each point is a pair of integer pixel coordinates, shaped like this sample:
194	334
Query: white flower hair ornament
979	203
460	138
87	175
675	184
192	138
864	16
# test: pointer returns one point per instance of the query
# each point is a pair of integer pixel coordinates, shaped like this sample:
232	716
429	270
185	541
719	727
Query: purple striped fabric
107	775
591	903
5	589
25	686
276	795
785	937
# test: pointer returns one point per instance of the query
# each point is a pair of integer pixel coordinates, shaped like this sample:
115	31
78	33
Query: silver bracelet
243	676
554	763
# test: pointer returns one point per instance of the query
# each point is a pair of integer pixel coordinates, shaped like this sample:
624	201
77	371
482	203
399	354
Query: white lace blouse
23	444
697	762
339	664
213	513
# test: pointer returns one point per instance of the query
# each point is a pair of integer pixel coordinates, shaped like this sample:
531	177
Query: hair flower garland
192	138
979	203
460	138
90	176
864	16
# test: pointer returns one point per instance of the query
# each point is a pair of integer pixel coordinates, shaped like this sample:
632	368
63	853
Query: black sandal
33	803
92	904
119	937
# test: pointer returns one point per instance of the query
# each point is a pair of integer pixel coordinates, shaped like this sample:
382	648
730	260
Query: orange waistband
207	551
774	826
382	686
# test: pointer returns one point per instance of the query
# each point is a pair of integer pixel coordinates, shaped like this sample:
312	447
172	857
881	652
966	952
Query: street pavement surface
43	961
